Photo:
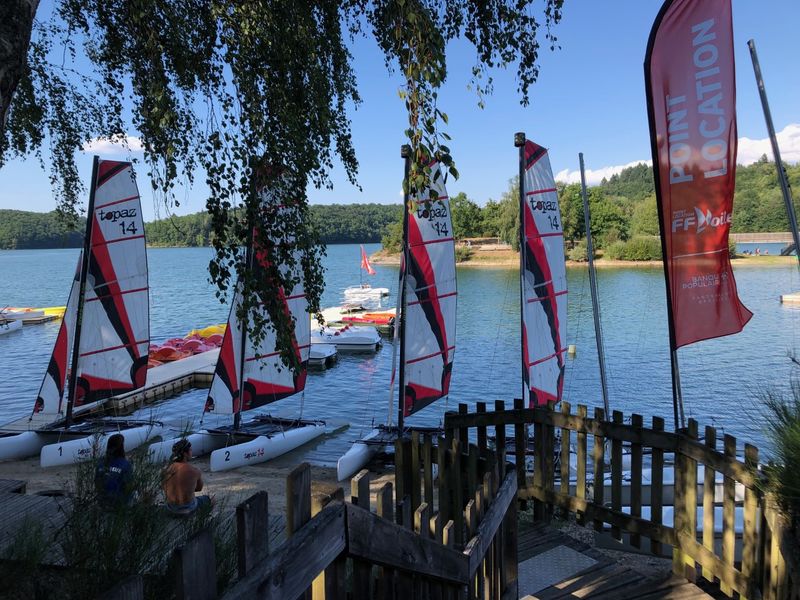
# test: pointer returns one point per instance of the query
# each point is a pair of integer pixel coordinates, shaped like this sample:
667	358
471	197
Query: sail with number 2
266	377
429	280
544	281
114	307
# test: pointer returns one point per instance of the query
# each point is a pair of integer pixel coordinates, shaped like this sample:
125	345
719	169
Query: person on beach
181	480
113	475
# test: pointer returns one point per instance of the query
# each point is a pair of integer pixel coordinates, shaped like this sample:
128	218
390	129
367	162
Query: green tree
248	95
645	217
466	216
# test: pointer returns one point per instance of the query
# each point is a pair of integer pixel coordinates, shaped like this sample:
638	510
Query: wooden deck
604	579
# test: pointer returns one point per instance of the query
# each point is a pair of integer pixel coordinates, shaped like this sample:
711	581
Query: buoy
571	351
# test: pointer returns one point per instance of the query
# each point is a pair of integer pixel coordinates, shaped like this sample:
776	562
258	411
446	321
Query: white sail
544	281
430	305
115	329
266	377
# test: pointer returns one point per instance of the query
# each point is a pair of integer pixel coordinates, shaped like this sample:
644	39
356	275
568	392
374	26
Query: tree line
335	224
624	218
623	211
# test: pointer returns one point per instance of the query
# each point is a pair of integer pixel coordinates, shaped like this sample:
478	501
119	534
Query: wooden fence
637	504
446	527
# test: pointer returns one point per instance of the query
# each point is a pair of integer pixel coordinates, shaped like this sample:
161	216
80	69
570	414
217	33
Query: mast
677	396
87	248
593	285
405	153
519	142
787	191
248	260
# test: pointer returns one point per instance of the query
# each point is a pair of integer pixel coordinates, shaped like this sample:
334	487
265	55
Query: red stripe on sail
226	368
544	191
556	295
57	367
415	302
119	347
122	293
107	169
546	358
115	202
533	152
429	356
691	98
105	242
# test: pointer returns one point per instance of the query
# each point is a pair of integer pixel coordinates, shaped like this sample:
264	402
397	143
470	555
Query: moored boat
352	338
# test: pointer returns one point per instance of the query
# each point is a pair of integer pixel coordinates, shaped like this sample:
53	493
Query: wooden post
427	460
616	475
444	479
580	482
359	489
656	486
520	441
402	467
331	584
480	408
472	470
196	568
565	447
457	490
637	422
463	433
728	513
298	502
385	509
709	489
500	439
539	476
690	501
599	468
416	495
252	526
749	535
509	564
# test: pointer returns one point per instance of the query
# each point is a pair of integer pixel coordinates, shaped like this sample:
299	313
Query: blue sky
589	98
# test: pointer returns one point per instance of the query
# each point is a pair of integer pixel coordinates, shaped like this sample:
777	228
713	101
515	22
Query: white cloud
788	142
595	176
114	145
749	152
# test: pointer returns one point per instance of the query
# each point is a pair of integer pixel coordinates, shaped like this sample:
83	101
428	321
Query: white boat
365	295
105	334
252	374
9	326
94	446
202	442
354	338
322	356
425	334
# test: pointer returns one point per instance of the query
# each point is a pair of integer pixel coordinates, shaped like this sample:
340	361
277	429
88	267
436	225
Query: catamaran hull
358	456
9	326
21	445
202	443
75	451
264	448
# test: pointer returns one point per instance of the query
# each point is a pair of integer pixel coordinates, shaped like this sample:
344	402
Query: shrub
639	248
463	253
783	425
579	252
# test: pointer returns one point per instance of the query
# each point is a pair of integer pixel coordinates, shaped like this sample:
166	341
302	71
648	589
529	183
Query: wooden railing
567	475
445	528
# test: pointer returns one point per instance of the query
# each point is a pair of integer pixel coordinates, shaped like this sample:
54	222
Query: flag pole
677	396
593	286
519	142
405	153
785	188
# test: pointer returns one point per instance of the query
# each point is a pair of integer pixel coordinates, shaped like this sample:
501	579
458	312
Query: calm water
722	378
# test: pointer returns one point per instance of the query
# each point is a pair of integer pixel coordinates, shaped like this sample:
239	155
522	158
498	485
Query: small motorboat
366	295
9	326
21	314
348	338
322	356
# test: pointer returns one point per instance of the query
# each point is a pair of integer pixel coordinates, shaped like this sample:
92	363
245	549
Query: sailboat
105	334
427	316
364	294
252	374
543	278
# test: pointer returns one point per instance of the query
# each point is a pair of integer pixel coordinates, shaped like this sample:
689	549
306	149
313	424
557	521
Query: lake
722	379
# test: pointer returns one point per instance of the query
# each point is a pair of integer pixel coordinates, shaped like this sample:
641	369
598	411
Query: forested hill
337	224
22	229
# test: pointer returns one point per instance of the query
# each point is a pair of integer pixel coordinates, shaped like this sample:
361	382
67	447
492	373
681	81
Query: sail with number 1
102	346
543	279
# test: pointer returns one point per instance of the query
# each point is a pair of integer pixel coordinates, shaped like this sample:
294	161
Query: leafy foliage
466	216
251	95
22	230
783	419
638	248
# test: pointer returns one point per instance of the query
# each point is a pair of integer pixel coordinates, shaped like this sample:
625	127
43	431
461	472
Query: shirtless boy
181	480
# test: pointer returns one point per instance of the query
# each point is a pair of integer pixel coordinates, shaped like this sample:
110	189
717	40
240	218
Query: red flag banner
365	262
691	97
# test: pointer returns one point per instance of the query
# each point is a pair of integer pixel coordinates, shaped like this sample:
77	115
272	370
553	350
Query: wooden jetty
163	381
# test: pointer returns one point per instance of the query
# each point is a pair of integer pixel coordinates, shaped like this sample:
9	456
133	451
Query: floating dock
164	381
